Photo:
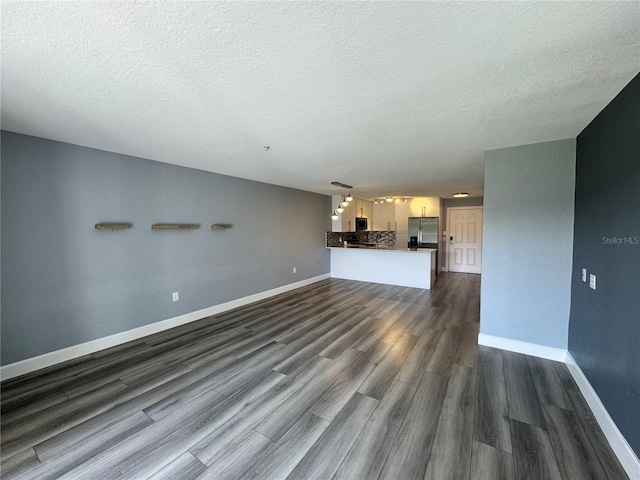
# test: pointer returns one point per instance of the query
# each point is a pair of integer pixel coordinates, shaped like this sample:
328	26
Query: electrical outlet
592	281
176	296
295	269
584	275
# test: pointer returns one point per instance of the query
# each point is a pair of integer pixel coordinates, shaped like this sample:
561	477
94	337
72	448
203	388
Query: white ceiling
395	98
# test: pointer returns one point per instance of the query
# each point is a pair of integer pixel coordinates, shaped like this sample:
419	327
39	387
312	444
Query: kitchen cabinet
425	207
364	208
349	217
358	207
377	216
368	211
384	216
391	217
403	212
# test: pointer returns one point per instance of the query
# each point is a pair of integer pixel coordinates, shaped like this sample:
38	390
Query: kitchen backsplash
337	239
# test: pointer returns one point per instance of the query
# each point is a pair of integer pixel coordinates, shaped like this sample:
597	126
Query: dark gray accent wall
527	242
604	329
65	283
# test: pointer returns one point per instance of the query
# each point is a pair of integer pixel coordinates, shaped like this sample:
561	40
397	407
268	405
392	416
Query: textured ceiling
395	98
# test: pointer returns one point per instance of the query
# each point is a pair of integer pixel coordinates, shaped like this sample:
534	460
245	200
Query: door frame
447	231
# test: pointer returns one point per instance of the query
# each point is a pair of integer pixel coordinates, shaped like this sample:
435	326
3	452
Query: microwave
361	223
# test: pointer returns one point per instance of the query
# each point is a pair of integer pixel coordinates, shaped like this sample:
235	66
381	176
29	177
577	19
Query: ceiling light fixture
345	200
347	187
389	199
460	195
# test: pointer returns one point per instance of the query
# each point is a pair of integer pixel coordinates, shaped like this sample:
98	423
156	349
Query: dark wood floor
338	380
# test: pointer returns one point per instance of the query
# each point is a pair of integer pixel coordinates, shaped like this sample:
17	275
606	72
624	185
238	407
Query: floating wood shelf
112	226
175	226
221	226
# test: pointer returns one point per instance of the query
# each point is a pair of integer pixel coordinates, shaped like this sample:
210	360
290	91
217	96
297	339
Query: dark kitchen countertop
373	246
385	249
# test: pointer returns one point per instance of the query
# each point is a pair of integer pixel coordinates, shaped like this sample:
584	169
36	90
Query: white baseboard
533	349
621	448
75	351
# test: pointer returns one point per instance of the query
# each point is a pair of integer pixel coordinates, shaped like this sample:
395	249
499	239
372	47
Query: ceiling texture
394	98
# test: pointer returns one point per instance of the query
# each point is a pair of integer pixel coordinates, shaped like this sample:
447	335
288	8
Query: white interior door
464	231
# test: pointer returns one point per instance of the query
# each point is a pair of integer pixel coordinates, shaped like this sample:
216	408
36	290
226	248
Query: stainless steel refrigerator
423	233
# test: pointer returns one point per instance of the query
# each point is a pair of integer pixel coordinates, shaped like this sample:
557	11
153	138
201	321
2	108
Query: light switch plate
584	275
592	281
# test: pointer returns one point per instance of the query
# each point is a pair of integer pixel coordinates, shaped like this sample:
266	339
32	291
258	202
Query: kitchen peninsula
374	260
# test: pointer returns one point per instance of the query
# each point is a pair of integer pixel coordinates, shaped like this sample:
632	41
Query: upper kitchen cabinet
403	212
364	209
384	216
358	207
425	207
349	217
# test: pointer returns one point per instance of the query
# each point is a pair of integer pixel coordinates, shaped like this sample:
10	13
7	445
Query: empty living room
320	240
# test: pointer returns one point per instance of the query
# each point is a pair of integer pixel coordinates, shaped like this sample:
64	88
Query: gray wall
64	283
527	242
604	330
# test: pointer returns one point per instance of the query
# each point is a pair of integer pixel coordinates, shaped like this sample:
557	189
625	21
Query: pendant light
389	199
345	200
